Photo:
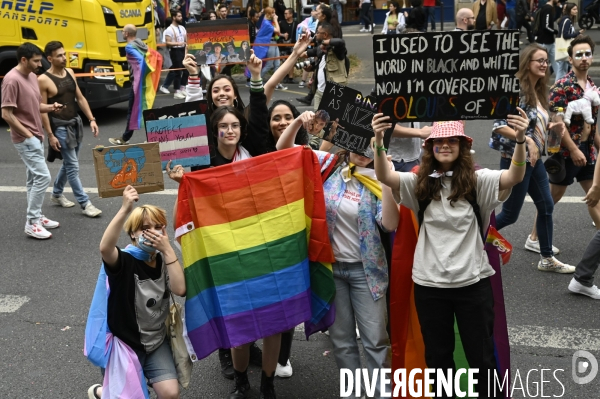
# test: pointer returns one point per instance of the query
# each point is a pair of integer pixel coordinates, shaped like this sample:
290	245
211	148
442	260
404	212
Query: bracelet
518	163
522	142
170	263
92	120
380	148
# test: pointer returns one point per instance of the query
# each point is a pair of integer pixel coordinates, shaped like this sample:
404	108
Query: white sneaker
91	211
363	30
534	246
116	141
163	89
284	371
179	95
37	231
47	223
280	87
578	288
62	201
92	391
554	265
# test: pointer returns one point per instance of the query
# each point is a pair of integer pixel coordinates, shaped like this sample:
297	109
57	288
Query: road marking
12	303
93	190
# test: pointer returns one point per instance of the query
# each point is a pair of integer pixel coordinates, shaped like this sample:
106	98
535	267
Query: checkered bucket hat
448	129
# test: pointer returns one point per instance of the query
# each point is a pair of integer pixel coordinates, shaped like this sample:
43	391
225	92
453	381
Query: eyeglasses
224	127
583	54
450	140
542	61
468	18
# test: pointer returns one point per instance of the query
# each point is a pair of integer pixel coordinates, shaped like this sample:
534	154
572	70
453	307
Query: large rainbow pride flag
408	349
256	252
146	67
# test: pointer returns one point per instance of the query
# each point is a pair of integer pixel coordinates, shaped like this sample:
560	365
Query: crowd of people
428	169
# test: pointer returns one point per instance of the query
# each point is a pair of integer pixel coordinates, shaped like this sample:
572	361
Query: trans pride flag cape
408	349
145	68
256	253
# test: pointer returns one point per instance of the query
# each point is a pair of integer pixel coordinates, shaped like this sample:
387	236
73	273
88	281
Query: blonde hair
135	221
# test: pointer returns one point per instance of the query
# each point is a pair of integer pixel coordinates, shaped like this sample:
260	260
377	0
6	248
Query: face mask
145	245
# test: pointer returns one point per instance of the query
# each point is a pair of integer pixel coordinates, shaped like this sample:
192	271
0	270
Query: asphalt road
46	286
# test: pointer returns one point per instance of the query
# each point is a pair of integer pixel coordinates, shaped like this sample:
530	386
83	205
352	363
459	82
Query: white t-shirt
176	33
346	240
321	82
449	252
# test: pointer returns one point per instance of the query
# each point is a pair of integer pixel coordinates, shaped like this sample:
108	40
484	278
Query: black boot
255	355
226	364
242	385
305	100
267	390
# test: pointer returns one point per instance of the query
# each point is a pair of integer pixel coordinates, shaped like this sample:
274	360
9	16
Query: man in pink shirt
21	107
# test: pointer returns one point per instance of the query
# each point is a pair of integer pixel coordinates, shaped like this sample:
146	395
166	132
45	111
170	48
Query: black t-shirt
138	302
290	29
481	21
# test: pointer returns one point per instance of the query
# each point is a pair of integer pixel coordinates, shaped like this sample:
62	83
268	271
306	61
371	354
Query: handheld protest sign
442	76
346	116
137	165
221	42
181	132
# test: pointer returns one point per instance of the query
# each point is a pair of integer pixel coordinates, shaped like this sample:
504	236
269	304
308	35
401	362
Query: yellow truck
90	31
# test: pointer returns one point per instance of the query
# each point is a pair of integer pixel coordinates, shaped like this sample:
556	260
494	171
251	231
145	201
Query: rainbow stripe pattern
145	68
256	253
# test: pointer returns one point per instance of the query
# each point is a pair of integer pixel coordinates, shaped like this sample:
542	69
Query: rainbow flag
408	348
256	252
145	68
161	7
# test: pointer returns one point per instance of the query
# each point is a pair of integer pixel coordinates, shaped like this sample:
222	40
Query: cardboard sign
137	165
182	140
177	111
441	76
347	115
219	42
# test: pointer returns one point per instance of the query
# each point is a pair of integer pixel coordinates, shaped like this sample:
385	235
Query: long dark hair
396	7
463	177
238	103
567	12
223	110
536	93
301	136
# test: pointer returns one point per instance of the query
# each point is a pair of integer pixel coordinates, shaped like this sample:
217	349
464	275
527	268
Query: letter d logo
580	366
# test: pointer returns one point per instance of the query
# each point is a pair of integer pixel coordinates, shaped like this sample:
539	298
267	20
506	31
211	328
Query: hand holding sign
380	124
189	62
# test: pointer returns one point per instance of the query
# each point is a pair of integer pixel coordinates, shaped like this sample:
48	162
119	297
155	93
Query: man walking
142	62
176	39
64	127
288	28
21	108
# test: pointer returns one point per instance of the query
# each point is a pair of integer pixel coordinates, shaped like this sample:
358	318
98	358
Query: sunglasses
450	140
583	54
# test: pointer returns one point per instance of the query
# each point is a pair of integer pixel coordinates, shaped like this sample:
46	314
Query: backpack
536	22
425	203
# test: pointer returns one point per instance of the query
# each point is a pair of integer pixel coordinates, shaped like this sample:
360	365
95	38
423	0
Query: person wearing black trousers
365	16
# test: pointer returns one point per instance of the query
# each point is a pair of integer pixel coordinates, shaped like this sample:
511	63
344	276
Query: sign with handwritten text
440	76
182	140
347	115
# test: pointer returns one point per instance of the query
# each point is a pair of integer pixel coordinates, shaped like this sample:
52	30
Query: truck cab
91	32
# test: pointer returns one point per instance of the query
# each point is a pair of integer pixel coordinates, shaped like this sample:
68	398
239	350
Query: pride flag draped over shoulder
146	65
408	349
256	253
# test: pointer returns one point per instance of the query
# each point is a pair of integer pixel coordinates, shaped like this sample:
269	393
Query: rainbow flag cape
408	349
145	68
256	252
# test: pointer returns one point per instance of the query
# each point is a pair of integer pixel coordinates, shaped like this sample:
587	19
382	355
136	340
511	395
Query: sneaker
577	288
37	231
62	201
284	371
363	30
92	391
179	95
301	84
255	355
554	265
91	211
304	100
226	363
280	87
247	84
117	141
164	90
534	246
289	80
48	224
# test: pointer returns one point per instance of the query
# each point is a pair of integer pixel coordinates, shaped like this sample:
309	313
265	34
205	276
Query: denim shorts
158	365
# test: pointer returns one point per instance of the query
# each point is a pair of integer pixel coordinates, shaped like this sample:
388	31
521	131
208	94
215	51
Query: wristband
522	142
170	263
92	120
518	163
380	148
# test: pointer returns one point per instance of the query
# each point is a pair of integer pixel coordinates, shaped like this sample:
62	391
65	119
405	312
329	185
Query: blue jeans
354	305
551	48
536	184
128	132
563	68
69	169
338	8
512	18
272	52
430	16
31	152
